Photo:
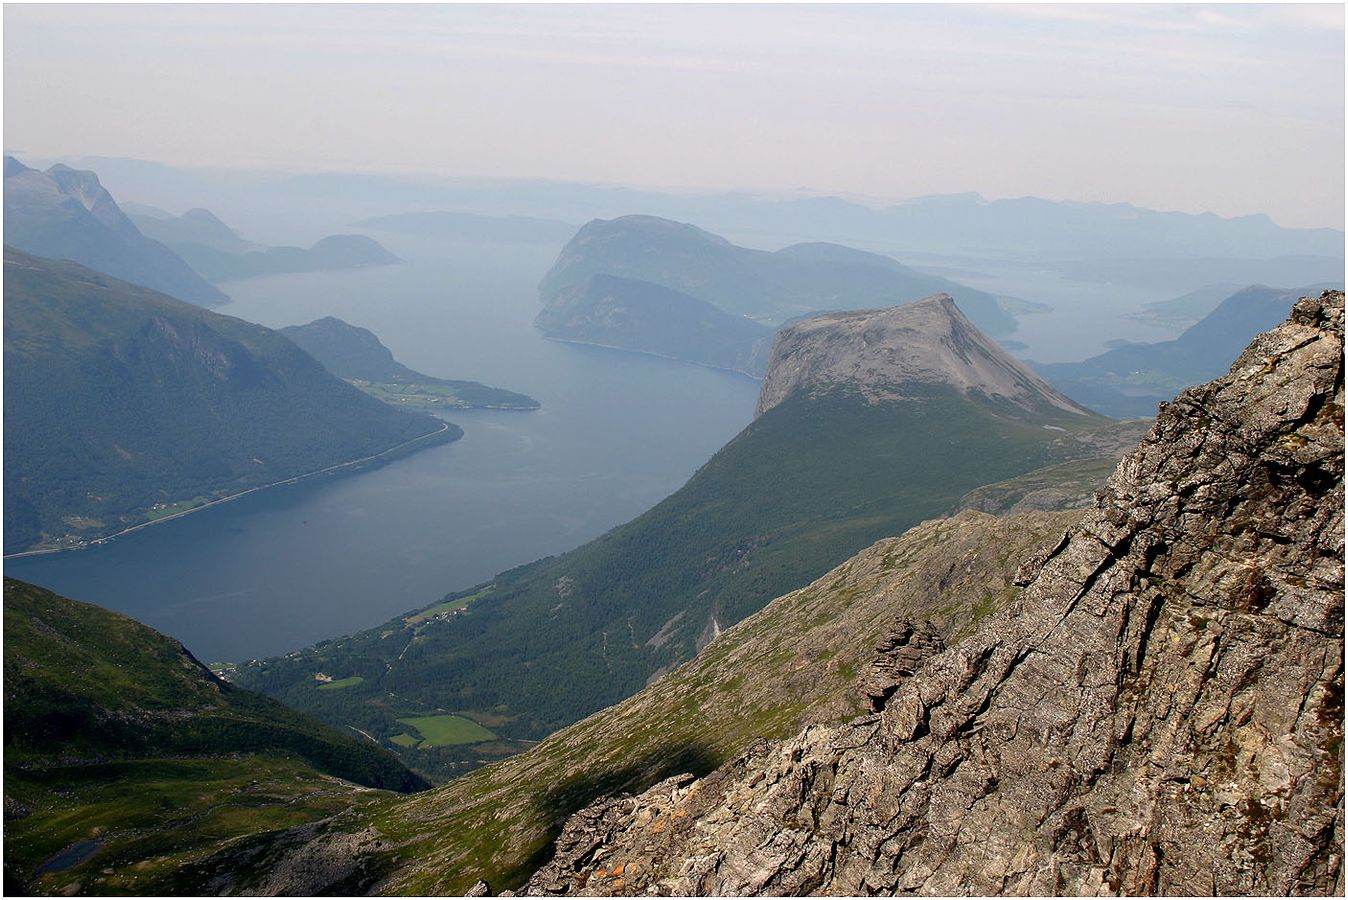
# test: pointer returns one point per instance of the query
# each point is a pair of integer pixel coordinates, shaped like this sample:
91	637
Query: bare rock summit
892	353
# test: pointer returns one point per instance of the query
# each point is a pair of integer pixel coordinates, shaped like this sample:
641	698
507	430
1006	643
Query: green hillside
119	743
801	489
123	405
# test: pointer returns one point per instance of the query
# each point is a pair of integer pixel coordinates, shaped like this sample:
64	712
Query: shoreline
444	426
677	359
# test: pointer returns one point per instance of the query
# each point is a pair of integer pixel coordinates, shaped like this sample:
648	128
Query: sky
1233	109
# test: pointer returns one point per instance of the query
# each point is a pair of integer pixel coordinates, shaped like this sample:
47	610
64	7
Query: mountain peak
886	353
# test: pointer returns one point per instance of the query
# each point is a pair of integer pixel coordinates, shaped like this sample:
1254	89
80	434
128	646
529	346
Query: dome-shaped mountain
898	352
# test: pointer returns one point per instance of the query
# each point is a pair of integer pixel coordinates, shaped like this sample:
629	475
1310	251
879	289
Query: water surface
283	568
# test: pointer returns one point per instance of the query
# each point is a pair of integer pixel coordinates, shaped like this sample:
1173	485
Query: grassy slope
119	399
800	490
795	662
114	732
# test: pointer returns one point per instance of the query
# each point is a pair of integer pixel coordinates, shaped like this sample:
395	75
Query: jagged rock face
884	353
905	648
1160	711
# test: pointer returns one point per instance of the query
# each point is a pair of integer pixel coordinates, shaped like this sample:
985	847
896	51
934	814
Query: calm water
284	568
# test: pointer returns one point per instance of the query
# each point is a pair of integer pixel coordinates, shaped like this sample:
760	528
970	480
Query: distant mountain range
961	224
123	406
356	355
66	214
467	226
217	252
1130	380
929	410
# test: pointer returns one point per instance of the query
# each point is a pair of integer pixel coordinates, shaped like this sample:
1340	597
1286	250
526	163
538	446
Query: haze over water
290	566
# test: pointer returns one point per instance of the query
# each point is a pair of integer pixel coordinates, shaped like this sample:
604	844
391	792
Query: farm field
445	731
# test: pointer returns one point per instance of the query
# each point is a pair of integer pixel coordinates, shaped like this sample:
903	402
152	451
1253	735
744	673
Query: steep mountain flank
768	287
749	683
357	355
1160	710
1130	380
120	744
648	318
813	480
886	353
66	214
123	405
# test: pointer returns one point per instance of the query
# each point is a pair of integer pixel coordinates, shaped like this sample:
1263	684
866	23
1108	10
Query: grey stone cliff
1160	710
884	352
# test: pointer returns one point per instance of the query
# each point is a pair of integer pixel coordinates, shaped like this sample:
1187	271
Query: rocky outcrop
1160	710
891	353
905	648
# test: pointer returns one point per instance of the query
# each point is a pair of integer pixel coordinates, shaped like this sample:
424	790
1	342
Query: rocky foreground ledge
1160	711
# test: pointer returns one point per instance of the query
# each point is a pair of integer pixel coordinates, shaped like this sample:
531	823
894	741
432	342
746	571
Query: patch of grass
404	740
447	606
340	683
421	396
444	731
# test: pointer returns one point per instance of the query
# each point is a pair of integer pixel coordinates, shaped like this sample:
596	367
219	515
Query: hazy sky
1233	109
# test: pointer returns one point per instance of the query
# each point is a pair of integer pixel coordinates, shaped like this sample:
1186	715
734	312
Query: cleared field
440	609
341	683
404	740
444	731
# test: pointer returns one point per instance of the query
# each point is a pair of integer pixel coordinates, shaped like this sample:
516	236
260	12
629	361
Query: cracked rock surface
1160	710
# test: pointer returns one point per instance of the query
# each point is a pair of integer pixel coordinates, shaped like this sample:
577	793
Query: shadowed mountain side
1131	380
123	406
66	214
640	316
768	287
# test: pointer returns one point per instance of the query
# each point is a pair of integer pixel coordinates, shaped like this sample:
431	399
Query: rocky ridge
884	353
1160	710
